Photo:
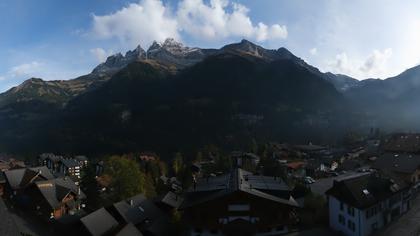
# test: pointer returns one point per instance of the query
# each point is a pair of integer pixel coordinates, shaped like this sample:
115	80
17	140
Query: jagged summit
169	53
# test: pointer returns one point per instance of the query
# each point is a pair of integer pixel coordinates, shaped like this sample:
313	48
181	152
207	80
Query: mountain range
171	97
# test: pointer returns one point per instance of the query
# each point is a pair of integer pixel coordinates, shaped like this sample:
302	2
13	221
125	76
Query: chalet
51	161
19	180
8	164
38	190
406	166
83	160
55	198
239	203
70	167
362	205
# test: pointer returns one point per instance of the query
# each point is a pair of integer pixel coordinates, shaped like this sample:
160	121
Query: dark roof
136	209
56	189
129	230
172	199
7	224
401	163
309	148
51	156
81	158
366	190
19	178
402	142
143	212
270	188
99	222
70	163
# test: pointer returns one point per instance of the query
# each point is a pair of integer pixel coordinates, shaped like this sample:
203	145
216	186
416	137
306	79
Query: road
407	225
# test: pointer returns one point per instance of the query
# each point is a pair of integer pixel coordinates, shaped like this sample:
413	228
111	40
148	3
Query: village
363	188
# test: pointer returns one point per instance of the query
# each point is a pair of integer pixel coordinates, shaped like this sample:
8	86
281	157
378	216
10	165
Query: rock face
170	53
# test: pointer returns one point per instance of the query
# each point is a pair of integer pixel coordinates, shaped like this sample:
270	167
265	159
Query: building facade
361	205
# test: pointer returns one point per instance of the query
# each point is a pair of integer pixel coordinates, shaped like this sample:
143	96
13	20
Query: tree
199	157
89	186
149	186
178	163
127	179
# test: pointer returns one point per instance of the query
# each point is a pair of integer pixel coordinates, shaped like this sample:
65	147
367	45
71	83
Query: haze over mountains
171	97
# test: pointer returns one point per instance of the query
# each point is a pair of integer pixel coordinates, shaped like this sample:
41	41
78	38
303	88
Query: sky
57	40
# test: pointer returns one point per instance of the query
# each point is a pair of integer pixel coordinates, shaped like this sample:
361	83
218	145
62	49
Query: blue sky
64	39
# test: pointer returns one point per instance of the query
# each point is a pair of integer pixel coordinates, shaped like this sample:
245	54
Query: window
374	226
350	210
351	225
341	206
341	219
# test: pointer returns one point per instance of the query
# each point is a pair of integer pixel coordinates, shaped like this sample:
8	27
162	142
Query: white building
358	206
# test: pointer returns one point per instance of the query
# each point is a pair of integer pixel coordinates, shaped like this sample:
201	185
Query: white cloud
100	54
26	69
374	65
213	21
140	22
376	61
313	51
216	20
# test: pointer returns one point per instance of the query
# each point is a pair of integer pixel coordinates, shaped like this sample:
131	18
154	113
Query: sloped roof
144	213
99	222
269	188
136	209
172	199
7	224
402	142
56	189
70	163
81	158
18	178
402	163
129	230
366	190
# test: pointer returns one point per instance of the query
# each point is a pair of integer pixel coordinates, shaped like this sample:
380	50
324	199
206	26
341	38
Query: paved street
407	225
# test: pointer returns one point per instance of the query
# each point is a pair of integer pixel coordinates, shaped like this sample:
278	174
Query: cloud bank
375	64
216	20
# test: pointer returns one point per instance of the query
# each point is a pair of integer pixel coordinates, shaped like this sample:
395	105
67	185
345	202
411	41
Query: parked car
309	180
